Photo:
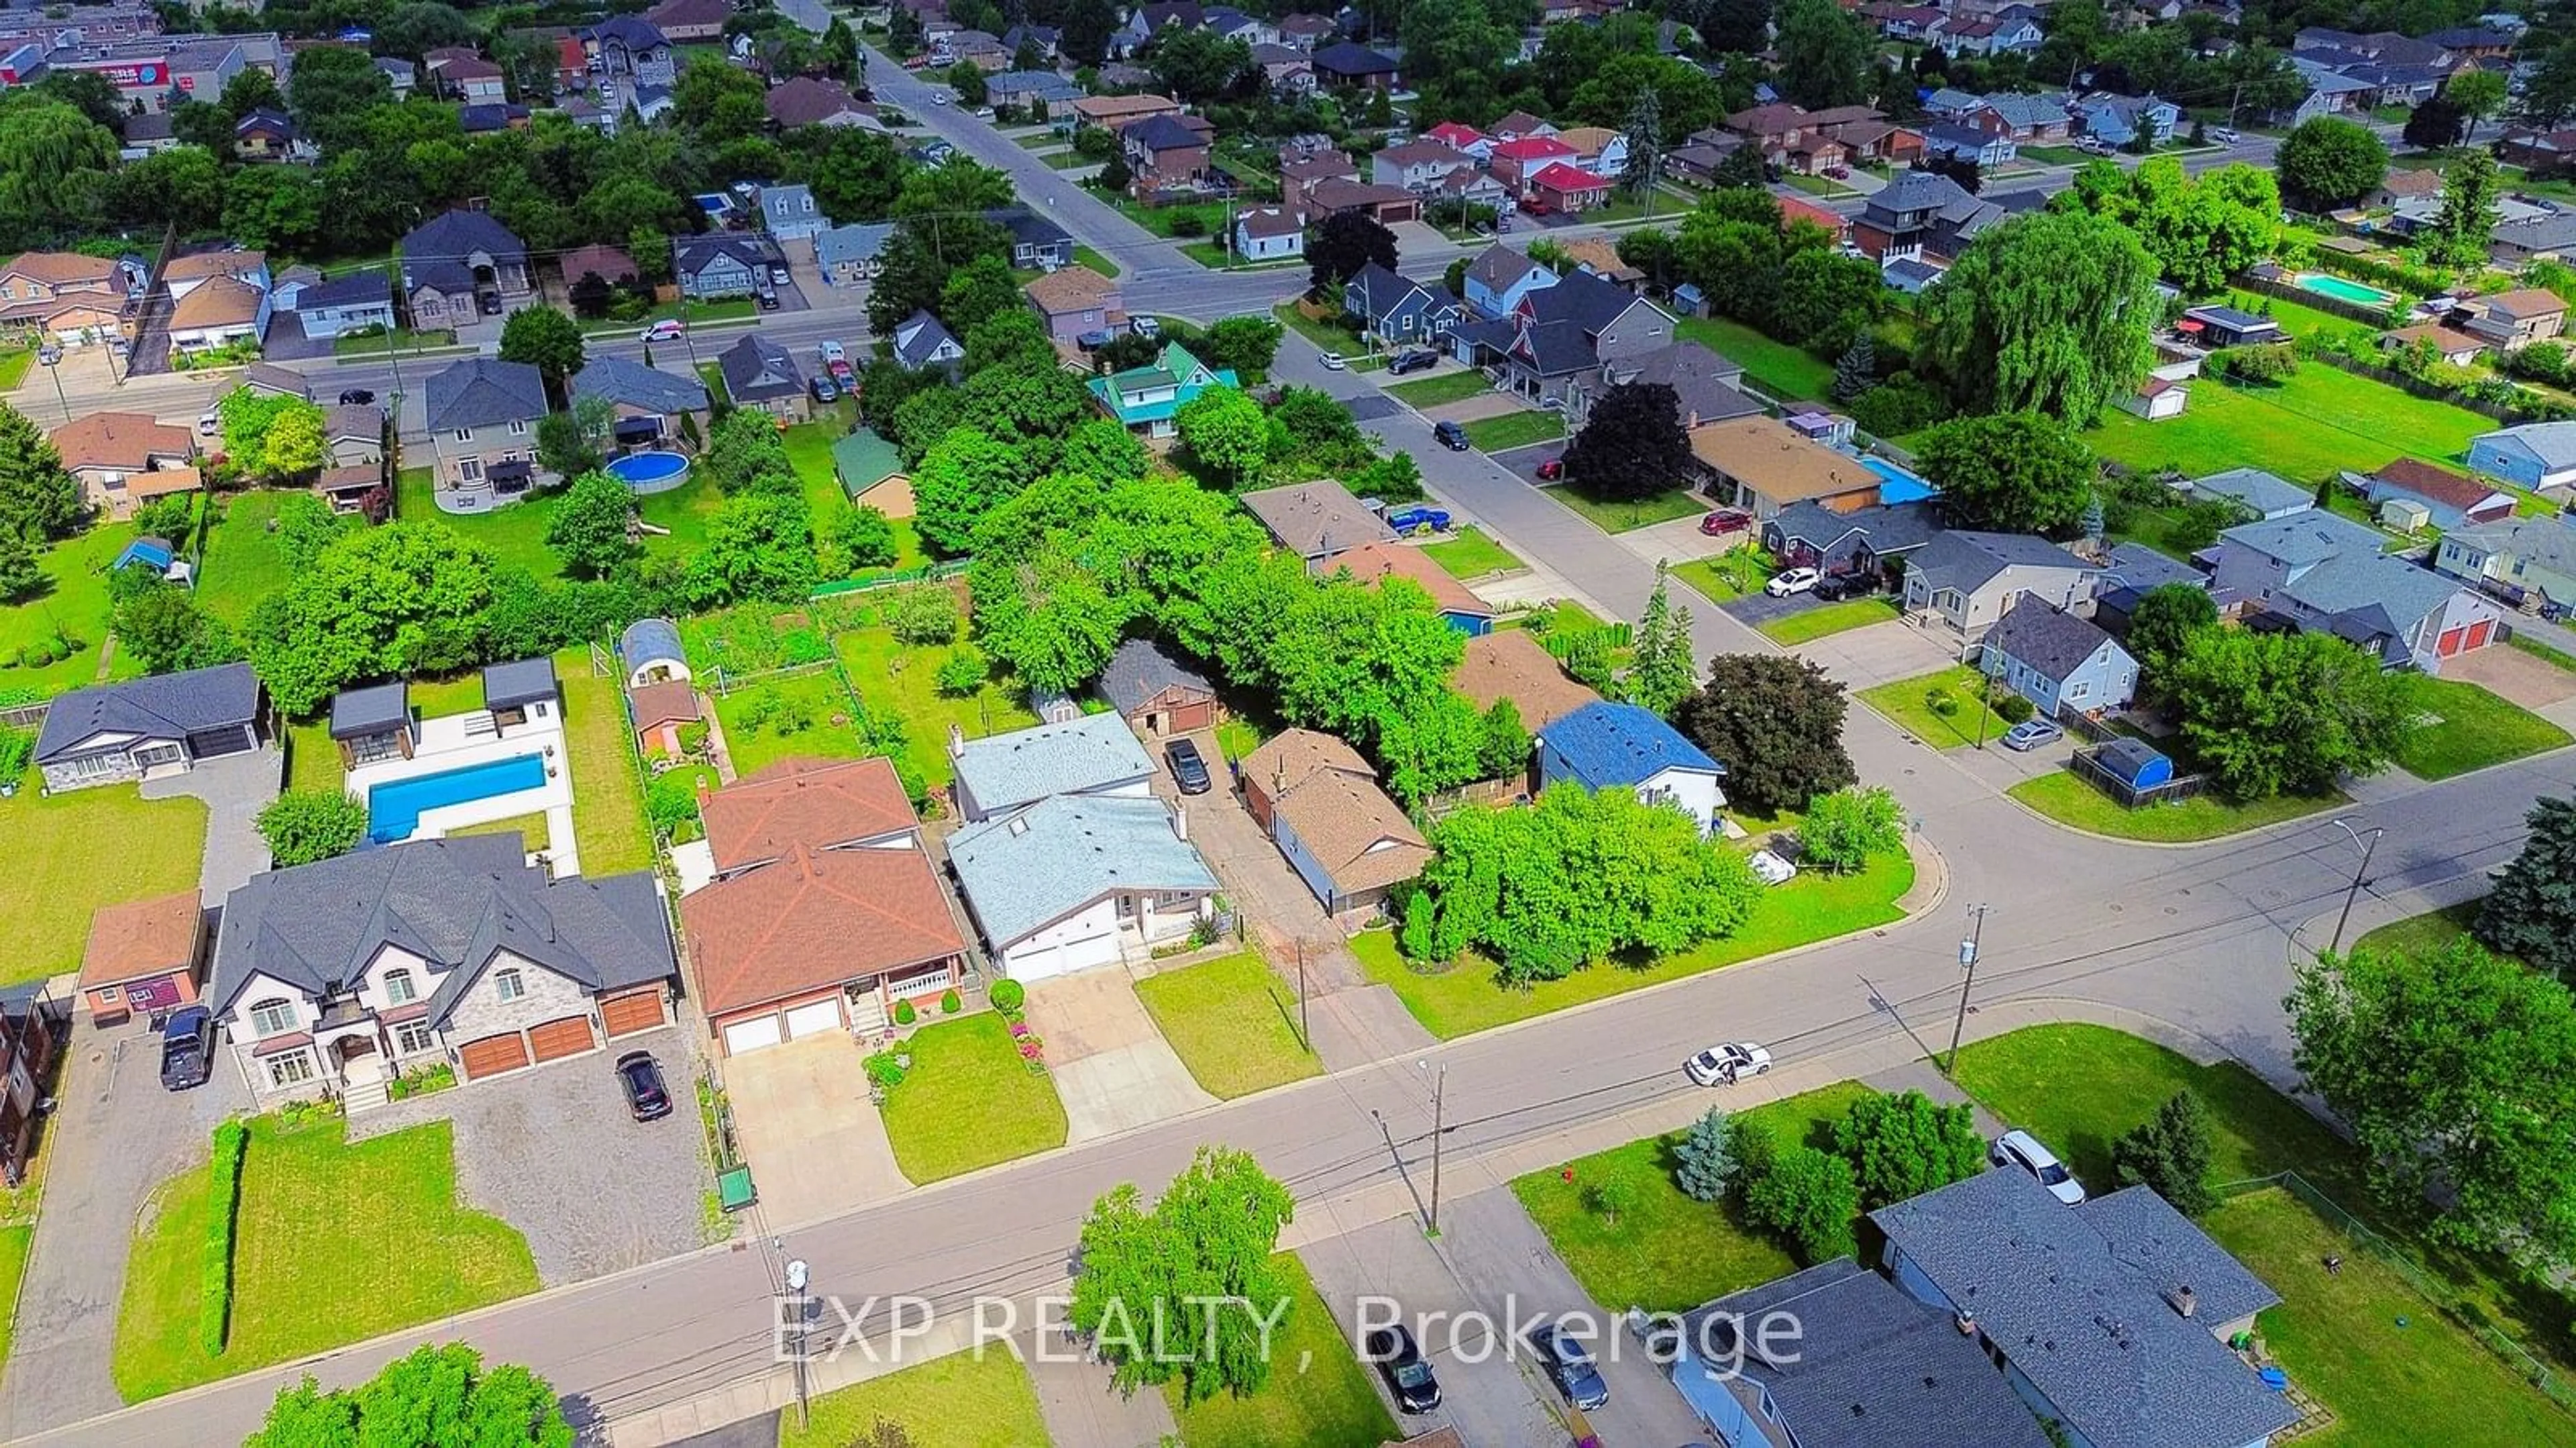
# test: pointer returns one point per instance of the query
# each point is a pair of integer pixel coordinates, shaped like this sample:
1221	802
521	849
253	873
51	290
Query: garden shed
650	650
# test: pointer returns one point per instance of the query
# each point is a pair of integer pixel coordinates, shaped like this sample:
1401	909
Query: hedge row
215	1283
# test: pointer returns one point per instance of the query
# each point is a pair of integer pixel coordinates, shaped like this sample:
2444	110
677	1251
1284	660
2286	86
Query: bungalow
1145	398
647	403
1986	150
1321	805
455	258
1051	93
2447	344
456	73
2448	499
1967	579
1509	664
143	957
158	725
353	435
116	455
758	373
218	312
2256	493
482	418
1621	746
1763	465
1500	277
1157	694
351	302
2517	557
1704	384
2548	237
872	473
1858	541
717	264
853	255
1267	233
1113	112
1317	521
1090	756
1399	311
2518	318
1599	256
682	21
2328	573
2229	327
825	912
1345	65
1076	300
1564	189
806	101
2538	455
1035	241
1459	606
922	340
1076	881
338	976
2060	662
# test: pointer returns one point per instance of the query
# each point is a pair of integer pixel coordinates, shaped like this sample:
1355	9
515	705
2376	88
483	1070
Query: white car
1796	580
2020	1148
1725	1065
1770	869
832	352
1333	362
2222	135
669	329
209	424
939	98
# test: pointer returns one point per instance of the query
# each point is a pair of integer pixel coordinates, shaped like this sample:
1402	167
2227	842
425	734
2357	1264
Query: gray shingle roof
2310	537
1143	668
1498	266
2143	568
520	681
2383	594
375	709
2263	492
2046	638
1161	133
1023	870
860	241
697	253
1889	529
347	290
620	380
162	706
2554	443
437	252
1702	381
757	370
918	338
1092	752
1967	560
1585	300
2074	1297
480	391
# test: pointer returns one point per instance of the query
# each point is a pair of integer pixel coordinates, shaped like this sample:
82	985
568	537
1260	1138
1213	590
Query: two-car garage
770	1027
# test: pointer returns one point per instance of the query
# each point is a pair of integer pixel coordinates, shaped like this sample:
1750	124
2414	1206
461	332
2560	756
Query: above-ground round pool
650	472
2343	290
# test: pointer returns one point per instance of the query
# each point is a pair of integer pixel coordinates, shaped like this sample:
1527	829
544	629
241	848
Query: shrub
671	800
2013	708
2259	366
17	750
693	738
1941	702
950	1003
1704	1160
1844	828
1810	1197
1189	223
215	1283
924	616
305	825
884	1069
962	672
904	1014
1008	996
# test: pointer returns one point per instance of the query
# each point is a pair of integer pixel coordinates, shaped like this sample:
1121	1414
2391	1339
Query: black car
1834	587
187	1048
1570	1367
1450	435
1408	1374
642	1077
356	397
1413	361
490	302
1187	767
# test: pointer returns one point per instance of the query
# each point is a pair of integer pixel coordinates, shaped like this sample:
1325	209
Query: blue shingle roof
651	641
1608	744
1091	752
1023	870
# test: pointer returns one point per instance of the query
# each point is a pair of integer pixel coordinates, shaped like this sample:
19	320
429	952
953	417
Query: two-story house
1919	213
1514	163
461	265
1144	399
2517	556
922	340
1416	165
630	46
1163	152
2328	573
1397	310
456	73
2059	661
1966	579
1075	301
1500	277
482	415
759	373
789	213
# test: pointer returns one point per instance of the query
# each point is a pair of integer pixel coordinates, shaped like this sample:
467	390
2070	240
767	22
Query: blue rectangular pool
394	809
1897	485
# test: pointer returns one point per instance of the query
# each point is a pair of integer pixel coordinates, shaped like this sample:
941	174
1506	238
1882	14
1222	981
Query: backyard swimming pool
394	808
650	472
1896	484
2344	291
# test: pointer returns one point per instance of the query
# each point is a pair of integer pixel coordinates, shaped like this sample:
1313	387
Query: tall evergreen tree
2531	913
1645	143
1663	674
2169	1154
1856	371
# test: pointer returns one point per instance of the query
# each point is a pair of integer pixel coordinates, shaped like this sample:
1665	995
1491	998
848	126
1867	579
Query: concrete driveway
1482	405
1882	653
2526	679
115	1136
235	788
802	1119
1113	1070
555	1152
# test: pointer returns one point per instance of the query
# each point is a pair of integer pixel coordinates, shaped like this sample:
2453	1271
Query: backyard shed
143	957
650	650
372	723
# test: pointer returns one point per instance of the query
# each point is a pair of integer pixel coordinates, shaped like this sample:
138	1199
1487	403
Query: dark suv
1450	435
1413	361
187	1048
1189	770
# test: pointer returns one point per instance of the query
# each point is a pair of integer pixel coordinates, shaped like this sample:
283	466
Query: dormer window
508	984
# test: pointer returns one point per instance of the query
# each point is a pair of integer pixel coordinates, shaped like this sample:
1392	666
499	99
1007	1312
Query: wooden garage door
493	1055
557	1039
628	1014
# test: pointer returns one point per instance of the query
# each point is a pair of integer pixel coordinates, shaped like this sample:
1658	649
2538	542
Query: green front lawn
723	309
1792	372
99	846
811	717
1232	1021
14	362
2468	728
1514	429
1471	552
1833	618
2317	423
312	759
607	798
2423	934
969	1101
2071	801
1672	1253
72	606
1085	256
1907	703
980	1398
902	677
1467	996
243	562
1318	1396
397	340
1433	391
1728	576
338	1242
1331	336
1618	515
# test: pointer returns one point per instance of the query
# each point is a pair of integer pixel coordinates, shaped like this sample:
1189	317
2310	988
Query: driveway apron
1112	1068
802	1118
235	788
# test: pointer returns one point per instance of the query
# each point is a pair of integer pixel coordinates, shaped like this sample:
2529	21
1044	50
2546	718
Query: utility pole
804	1383
2360	876
52	357
1967	962
1305	1026
1439	1124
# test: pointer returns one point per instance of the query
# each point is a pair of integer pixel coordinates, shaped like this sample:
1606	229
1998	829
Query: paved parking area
1756	609
235	788
1374	407
802	1119
554	1152
2525	679
1882	653
1112	1069
1522	462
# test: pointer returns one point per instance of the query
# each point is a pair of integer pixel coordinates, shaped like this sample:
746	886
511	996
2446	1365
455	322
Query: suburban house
456	73
1387	204
626	45
1763	465
218	312
1317	521
922	340
647	402
1300	173
758	373
721	264
1074	881
2109	1318
607	263
2118	120
334	978
2538	455
33	1028
482	418
155	726
1499	278
1157	694
1096	754
2256	493
1621	746
2518	557
1459	606
353	435
1868	1366
2445	499
1145	398
805	101
2329	573
1509	664
1113	112
1345	65
1268	233
143	957
1564	189
126	458
1416	165
1322	807
1035	241
1921	212
872	473
1969	578
1398	310
2518	318
1811	534
1076	300
2025	118
2447	343
1598	149
1563	341
2060	662
351	302
36	286
825	911
1163	152
2229	327
854	254
1599	256
455	257
1515	162
681	21
789	213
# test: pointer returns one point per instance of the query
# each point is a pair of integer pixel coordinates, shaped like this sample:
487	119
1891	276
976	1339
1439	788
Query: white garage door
744	1036
805	1020
1030	963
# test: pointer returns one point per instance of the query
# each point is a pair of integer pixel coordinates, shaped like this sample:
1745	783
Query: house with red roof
1564	188
1514	163
1458	136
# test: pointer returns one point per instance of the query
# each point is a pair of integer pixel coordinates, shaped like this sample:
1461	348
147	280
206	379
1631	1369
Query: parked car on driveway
1189	768
1450	435
825	390
1795	580
1723	1065
1413	361
187	1048
1408	1374
1834	587
1552	470
1569	1365
2032	734
1145	326
640	1076
1406	520
1724	521
2020	1148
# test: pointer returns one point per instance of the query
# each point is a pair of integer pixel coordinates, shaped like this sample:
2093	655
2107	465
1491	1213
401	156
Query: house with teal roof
1145	398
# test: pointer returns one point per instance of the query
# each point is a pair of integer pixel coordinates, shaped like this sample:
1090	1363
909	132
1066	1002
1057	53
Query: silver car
2018	1148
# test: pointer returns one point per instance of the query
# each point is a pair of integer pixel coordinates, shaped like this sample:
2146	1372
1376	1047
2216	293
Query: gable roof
1092	752
124	440
1352	60
806	101
2438	484
1608	744
1703	382
138	938
756	368
1559	176
862	459
1293	756
1888	528
480	391
2264	492
157	706
2308	537
1509	664
436	252
349	289
919	338
1350	827
1023	870
1316	519
1161	132
694	254
620	380
1142	669
857	242
218	301
1498	266
2044	637
353	422
1968	560
1769	457
671	701
818	803
1070	289
1591	302
1375	562
2075	1296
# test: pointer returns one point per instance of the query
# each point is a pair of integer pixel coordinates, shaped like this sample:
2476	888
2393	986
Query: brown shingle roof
127	440
1371	562
62	268
1509	664
1071	289
814	919
1359	836
213	264
218	301
1764	455
813	802
142	938
1294	756
673	701
2441	485
144	487
1108	110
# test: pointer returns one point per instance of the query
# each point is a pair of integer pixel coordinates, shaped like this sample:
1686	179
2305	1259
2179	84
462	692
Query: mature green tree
1645	135
2480	95
593	528
278	208
39	498
1190	1290
2165	620
2169	1154
865	536
436	1397
1352	656
1087	28
2469	190
1454	50
574	441
416	27
1662	671
1856	371
1776	722
1821	299
1808	1196
51	159
546	339
855	174
306	526
183	184
977	292
305	825
1226	432
2049	312
2549	96
400	599
1197	65
745	454
960	479
162	628
1246	344
1704	1160
92	93
2013	472
1905	1145
2202	230
1826	54
2271	714
759	545
20	572
1632	444
1104	449
1345	242
2531	913
1048	618
1844	829
249	90
1432	742
1503	749
2330	162
2435	125
2450	1068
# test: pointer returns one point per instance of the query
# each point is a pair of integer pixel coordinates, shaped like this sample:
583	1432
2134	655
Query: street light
1968	963
796	1284
52	357
2360	871
1439	1096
